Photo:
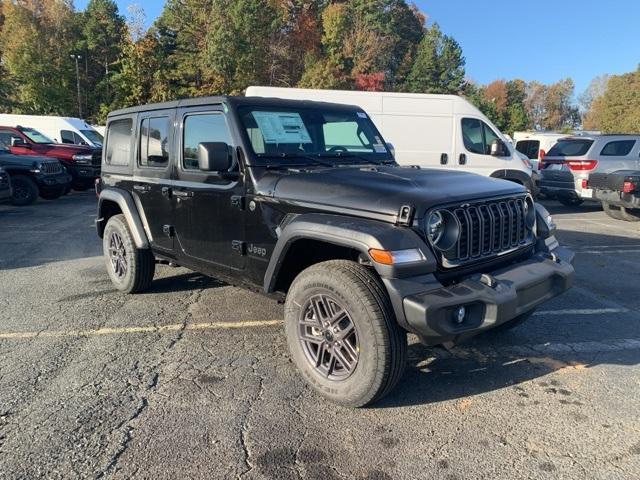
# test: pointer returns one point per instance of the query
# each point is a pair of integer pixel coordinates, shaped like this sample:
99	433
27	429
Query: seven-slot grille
487	229
51	167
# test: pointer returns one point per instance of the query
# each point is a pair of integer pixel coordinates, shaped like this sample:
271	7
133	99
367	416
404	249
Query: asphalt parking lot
193	379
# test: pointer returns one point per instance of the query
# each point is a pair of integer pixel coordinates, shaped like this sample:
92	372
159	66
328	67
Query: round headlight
443	229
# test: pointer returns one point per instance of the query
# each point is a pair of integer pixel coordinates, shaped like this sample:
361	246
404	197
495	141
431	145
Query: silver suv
569	163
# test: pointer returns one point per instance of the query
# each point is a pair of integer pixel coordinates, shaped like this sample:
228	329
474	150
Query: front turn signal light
396	257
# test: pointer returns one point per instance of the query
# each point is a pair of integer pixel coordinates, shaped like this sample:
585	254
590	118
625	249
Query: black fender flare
514	175
129	209
358	233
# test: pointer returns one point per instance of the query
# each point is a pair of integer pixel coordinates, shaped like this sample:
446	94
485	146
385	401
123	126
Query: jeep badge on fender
361	250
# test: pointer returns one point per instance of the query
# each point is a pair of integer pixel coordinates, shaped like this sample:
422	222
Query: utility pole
76	58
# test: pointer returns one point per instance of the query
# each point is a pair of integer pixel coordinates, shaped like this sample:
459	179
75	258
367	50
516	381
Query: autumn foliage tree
617	110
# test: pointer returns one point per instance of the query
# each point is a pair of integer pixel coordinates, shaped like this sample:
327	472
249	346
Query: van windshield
570	148
34	135
93	136
303	132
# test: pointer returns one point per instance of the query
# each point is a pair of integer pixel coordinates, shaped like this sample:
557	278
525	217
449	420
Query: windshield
304	132
93	136
570	148
34	135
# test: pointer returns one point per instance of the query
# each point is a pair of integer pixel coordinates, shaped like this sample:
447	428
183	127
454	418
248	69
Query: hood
9	159
71	149
382	190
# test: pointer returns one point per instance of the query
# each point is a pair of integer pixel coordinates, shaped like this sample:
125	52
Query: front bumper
84	174
53	182
489	300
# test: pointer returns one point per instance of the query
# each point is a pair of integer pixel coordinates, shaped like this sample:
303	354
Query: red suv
82	162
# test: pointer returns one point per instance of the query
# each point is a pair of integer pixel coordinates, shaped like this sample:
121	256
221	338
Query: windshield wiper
315	160
352	156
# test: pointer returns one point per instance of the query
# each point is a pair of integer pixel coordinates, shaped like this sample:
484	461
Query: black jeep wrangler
33	176
304	201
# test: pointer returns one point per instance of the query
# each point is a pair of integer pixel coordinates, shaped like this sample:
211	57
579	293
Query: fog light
459	314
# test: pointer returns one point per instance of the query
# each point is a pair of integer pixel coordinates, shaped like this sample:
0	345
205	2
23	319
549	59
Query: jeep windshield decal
313	133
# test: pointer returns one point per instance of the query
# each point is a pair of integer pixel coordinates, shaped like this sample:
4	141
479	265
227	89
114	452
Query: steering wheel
338	148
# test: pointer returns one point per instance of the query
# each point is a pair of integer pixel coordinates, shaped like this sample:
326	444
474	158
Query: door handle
183	194
444	159
141	188
462	159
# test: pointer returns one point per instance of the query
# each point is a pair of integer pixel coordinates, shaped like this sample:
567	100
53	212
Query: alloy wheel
118	255
328	337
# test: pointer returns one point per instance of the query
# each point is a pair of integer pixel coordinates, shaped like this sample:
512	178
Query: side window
66	136
154	142
477	136
530	148
472	135
198	128
5	137
118	147
620	148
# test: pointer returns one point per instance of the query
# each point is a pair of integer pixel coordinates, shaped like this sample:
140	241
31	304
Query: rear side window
619	148
570	148
118	148
530	148
154	142
209	127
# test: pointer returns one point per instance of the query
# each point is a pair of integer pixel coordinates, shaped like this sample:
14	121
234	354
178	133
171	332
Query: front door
152	176
209	221
474	148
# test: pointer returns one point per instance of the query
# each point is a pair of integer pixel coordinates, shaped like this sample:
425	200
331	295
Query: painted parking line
141	329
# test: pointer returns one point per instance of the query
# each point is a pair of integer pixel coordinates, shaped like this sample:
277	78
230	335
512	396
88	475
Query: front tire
131	269
342	333
25	190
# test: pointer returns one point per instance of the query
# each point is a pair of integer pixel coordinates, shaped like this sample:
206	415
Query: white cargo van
60	129
442	131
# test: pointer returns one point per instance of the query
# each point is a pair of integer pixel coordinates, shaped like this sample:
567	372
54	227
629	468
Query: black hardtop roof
233	101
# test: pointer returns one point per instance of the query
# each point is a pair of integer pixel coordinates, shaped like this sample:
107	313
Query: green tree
438	66
104	35
618	109
37	40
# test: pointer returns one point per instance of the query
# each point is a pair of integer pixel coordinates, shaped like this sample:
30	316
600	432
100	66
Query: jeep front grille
488	229
51	167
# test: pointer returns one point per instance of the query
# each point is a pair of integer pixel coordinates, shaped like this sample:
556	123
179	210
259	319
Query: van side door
209	216
153	174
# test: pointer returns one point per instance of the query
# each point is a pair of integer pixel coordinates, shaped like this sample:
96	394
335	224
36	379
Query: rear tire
131	269
570	202
513	323
630	214
25	190
338	311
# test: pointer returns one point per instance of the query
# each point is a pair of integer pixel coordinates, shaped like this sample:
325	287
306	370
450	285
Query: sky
544	40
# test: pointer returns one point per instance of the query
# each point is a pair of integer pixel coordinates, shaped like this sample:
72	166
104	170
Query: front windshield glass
94	136
34	135
303	132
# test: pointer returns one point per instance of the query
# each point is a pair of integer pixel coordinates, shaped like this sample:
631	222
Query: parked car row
39	167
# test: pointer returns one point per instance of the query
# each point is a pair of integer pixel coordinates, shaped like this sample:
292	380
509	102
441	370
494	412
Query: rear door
153	174
209	220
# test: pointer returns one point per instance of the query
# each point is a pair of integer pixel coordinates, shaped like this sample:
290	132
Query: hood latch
405	215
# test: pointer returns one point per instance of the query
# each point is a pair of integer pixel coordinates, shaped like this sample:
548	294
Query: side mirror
214	157
392	149
498	148
19	142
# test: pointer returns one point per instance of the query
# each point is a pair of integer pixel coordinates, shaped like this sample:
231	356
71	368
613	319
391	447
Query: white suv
567	166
